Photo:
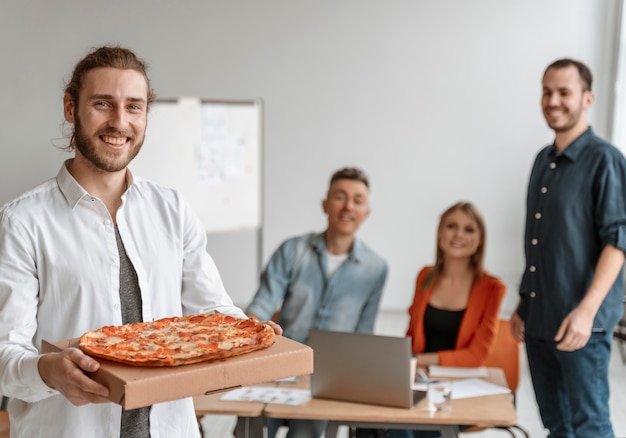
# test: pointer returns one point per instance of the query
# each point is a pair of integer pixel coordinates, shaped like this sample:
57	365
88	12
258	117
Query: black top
441	328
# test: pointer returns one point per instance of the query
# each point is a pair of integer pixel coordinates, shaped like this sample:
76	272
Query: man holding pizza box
97	246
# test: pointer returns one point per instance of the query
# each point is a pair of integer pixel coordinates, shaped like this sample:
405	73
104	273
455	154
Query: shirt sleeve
370	310
416	311
202	287
610	208
274	283
19	288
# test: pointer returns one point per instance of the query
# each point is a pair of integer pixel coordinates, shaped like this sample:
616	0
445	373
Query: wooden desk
249	414
489	410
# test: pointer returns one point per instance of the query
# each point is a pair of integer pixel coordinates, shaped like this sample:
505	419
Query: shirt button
116	306
533	242
114	259
107	222
537	215
532	294
93	199
532	269
552	165
544	190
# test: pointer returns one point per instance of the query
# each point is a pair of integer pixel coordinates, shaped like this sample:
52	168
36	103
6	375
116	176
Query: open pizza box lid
135	387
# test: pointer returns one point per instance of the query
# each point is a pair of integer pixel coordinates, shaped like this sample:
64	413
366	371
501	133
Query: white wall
438	101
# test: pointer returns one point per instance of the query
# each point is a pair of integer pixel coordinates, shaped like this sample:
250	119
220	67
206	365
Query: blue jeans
572	388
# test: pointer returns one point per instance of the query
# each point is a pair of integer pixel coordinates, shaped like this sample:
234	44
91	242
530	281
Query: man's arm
202	288
575	330
24	373
273	286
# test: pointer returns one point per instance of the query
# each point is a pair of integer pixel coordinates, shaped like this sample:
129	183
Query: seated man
329	280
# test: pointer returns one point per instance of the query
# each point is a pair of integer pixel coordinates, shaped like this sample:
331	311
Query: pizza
177	340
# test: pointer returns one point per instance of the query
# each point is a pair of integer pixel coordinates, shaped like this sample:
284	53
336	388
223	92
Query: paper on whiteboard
211	153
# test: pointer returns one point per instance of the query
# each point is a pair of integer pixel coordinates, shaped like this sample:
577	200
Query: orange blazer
478	327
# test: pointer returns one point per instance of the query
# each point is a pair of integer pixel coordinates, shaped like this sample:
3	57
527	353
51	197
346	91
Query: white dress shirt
59	277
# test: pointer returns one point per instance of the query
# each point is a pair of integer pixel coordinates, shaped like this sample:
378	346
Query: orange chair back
505	355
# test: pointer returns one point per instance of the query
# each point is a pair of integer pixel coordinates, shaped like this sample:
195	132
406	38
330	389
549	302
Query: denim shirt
576	205
297	276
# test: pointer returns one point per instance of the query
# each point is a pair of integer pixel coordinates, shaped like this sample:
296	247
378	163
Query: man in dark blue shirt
575	238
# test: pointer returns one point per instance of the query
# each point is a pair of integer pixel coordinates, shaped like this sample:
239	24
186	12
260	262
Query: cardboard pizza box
135	387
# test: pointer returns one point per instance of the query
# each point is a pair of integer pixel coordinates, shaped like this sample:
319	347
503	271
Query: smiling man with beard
572	287
97	246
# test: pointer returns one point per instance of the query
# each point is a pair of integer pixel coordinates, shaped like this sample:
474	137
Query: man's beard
573	118
103	161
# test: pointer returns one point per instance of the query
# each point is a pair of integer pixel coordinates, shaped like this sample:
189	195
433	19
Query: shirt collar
319	243
573	151
72	190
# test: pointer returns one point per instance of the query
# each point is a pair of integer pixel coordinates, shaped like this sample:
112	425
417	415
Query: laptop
363	368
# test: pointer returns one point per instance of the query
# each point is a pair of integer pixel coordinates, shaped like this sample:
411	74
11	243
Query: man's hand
65	372
575	330
516	324
277	329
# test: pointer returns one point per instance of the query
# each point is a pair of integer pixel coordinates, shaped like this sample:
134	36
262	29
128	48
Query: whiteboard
211	152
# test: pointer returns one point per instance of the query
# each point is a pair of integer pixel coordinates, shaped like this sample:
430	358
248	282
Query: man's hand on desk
65	372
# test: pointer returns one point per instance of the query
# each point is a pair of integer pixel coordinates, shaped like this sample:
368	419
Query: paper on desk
467	372
465	388
269	395
475	388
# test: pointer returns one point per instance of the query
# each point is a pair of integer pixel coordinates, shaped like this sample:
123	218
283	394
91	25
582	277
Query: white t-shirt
334	261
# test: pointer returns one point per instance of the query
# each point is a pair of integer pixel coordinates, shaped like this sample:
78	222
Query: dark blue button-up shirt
576	205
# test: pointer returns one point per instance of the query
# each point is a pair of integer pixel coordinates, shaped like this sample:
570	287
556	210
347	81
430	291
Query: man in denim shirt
572	287
329	280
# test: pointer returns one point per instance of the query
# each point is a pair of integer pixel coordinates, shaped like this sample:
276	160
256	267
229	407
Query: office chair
505	355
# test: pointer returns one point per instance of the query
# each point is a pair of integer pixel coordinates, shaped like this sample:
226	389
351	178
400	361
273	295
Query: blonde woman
456	305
